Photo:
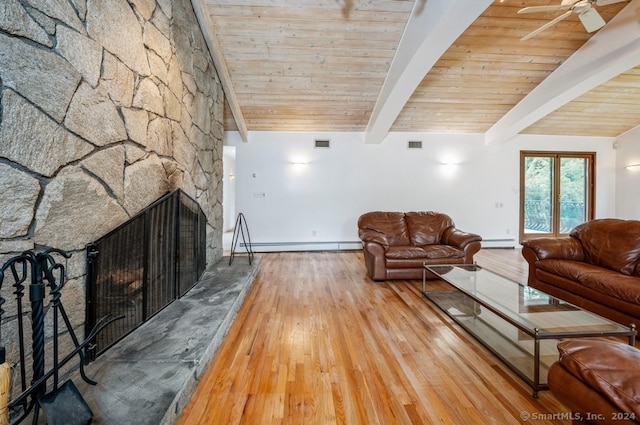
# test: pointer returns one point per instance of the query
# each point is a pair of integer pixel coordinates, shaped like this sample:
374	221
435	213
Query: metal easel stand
240	229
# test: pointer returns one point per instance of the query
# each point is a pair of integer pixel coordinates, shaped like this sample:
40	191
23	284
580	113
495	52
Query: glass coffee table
519	324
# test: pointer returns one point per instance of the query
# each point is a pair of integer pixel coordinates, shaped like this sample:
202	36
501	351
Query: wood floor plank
317	342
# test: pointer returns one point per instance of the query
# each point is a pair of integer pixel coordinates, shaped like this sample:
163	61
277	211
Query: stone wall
104	107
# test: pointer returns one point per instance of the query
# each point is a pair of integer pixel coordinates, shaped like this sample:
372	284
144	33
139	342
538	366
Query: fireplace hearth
148	377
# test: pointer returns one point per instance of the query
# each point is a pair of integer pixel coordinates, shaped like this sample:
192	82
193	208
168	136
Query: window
556	192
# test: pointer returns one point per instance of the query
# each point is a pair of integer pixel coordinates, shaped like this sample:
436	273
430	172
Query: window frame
590	191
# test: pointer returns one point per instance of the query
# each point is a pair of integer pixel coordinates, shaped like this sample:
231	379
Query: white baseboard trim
343	245
302	246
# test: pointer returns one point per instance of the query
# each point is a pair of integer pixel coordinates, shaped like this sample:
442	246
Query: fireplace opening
142	266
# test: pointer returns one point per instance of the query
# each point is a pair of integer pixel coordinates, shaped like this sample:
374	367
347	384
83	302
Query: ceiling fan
588	15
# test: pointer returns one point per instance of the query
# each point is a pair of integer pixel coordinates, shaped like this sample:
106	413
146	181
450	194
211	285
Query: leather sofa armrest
458	238
368	235
583	401
612	368
566	248
374	260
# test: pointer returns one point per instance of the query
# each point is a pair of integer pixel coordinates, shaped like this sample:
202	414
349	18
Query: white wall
229	187
628	181
320	202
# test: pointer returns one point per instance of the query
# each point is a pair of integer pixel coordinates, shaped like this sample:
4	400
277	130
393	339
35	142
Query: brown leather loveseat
397	244
596	268
598	379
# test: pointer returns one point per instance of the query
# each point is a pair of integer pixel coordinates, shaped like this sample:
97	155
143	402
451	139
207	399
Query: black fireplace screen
142	266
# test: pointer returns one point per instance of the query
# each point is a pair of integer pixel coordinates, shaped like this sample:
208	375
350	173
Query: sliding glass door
556	192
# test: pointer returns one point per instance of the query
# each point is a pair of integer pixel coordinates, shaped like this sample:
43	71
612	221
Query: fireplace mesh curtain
142	266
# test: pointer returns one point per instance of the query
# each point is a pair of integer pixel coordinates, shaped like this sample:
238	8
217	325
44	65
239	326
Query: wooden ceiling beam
612	51
215	50
432	27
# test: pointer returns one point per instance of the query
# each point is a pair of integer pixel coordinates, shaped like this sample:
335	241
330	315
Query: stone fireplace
104	107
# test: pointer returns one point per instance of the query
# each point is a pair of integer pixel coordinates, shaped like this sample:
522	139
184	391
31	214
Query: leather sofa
596	267
598	380
397	244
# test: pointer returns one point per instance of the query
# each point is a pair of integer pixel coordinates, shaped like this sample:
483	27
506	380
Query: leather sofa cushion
443	251
609	367
427	227
390	224
611	243
405	252
428	251
613	284
601	280
417	263
569	269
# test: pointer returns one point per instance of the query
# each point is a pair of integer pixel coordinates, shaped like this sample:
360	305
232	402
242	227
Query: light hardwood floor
318	342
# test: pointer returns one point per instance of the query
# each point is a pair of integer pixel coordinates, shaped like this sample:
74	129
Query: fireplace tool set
33	273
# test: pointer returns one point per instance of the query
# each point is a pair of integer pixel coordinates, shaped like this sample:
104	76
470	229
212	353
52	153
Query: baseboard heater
499	243
304	246
345	245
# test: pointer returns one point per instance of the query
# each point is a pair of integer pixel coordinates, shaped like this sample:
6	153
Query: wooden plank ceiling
320	65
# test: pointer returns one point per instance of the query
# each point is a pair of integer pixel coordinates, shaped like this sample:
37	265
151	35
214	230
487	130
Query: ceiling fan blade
591	20
608	2
550	8
547	25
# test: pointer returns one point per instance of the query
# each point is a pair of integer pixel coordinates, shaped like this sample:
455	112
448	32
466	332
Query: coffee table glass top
519	324
525	307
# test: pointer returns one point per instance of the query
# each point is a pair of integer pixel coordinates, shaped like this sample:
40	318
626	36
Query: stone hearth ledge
149	376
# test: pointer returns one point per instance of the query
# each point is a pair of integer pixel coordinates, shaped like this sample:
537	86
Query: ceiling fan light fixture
591	20
588	15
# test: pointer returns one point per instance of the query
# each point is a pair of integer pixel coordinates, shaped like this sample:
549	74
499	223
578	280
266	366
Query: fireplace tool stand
61	403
